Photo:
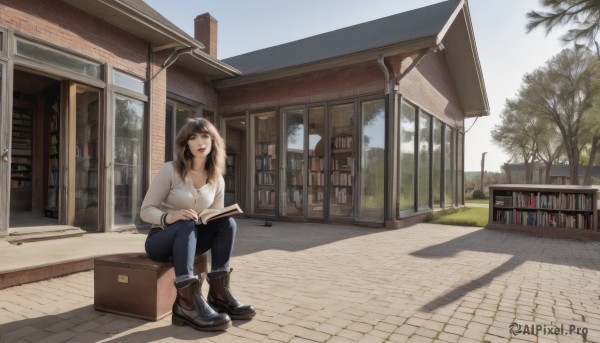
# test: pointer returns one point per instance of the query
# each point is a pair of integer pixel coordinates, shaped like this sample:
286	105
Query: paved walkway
327	283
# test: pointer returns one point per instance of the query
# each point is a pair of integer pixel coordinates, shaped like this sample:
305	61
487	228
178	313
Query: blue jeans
181	241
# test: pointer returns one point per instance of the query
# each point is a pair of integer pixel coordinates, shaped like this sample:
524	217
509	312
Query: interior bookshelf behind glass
265	168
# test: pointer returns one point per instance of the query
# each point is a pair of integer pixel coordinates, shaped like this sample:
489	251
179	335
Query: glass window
424	164
127	164
406	191
448	182
128	82
372	159
460	177
265	161
234	134
48	55
341	196
86	157
176	116
316	157
436	168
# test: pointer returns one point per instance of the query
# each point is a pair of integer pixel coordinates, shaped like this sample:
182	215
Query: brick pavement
328	283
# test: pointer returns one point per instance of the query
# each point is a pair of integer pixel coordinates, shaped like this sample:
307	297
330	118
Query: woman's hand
188	214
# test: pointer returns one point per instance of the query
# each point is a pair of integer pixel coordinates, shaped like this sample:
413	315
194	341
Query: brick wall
333	84
158	120
192	86
430	86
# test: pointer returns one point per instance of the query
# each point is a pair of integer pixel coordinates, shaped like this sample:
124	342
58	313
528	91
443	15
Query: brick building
361	125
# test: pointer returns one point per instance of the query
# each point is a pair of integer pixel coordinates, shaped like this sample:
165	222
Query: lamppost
482	169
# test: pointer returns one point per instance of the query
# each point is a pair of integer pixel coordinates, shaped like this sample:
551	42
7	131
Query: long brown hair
215	161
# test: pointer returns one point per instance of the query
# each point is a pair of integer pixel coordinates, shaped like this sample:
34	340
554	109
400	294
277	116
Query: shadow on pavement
92	325
521	248
85	324
252	236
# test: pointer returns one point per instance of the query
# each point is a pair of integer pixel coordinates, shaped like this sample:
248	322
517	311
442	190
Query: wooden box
134	285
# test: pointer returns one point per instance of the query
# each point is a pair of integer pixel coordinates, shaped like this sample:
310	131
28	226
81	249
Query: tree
563	92
549	145
517	133
583	14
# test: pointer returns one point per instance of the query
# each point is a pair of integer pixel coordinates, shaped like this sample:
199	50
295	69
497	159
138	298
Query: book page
210	213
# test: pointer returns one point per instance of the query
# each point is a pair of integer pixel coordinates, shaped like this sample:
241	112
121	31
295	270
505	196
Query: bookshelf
21	159
550	210
230	179
125	174
294	183
51	209
265	169
316	185
342	176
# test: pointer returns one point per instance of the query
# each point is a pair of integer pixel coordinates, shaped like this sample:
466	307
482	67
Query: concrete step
41	233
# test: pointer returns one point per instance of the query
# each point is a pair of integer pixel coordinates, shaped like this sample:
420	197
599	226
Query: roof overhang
120	14
206	65
342	61
463	61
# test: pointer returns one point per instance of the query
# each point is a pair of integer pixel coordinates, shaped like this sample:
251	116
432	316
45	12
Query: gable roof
388	31
445	25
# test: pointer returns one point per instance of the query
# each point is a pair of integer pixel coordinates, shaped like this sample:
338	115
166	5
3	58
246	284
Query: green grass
477	201
468	216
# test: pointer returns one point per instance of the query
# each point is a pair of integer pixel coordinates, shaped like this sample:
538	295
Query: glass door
317	144
342	192
294	166
87	101
265	162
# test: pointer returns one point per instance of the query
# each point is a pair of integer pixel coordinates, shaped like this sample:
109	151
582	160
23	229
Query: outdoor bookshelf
548	210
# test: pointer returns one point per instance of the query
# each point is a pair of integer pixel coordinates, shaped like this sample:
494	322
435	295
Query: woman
180	190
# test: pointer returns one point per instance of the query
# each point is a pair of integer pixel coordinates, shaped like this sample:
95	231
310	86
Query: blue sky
506	51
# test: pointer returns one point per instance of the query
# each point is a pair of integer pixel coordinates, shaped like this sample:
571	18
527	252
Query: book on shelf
503	200
342	142
210	213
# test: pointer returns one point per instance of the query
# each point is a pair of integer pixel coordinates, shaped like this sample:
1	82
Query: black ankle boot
191	309
221	299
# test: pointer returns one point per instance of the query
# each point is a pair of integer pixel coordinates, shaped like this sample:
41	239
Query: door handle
4	155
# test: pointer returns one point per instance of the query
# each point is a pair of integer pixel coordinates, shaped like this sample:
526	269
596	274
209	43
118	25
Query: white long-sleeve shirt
169	193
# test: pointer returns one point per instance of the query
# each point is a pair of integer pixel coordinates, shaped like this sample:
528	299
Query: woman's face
200	144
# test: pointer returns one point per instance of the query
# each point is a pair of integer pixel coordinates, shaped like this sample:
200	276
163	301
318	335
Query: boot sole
232	316
240	316
183	322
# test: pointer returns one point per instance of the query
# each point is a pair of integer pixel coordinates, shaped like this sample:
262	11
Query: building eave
161	37
341	61
200	62
463	61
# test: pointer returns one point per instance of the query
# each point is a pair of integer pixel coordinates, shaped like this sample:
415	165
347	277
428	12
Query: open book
210	213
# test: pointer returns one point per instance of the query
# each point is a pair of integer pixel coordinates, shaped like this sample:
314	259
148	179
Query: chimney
205	31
